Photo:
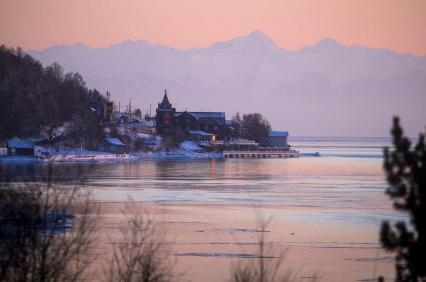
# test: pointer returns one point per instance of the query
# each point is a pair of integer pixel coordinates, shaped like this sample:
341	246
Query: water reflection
43	171
355	183
310	182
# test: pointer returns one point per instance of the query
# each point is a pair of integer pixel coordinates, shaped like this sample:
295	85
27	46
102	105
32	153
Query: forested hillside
35	99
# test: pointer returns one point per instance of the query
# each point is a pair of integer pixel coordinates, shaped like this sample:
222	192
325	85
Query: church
197	126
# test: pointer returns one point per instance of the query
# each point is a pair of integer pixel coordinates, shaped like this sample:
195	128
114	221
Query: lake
325	212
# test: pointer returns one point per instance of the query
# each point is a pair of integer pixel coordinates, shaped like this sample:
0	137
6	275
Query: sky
399	25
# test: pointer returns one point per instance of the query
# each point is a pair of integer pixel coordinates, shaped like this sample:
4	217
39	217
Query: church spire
165	99
165	104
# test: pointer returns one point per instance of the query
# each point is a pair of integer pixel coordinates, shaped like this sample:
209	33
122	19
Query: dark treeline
34	98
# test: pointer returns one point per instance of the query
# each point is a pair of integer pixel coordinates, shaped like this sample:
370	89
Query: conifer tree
405	168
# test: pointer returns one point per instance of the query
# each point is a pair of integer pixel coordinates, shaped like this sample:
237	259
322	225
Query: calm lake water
342	191
348	176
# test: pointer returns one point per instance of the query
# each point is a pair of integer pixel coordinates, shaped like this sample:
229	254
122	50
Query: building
113	145
206	126
278	139
165	118
120	117
233	129
204	123
198	135
149	139
108	111
19	147
189	125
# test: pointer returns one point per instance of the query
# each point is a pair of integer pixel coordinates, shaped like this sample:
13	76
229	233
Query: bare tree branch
47	229
142	254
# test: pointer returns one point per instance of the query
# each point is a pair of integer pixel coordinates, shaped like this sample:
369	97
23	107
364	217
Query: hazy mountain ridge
302	91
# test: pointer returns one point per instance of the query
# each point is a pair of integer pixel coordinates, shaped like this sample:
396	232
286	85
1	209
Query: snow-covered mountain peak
255	41
328	43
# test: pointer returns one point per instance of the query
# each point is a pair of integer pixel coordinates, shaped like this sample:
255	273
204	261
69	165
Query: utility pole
130	110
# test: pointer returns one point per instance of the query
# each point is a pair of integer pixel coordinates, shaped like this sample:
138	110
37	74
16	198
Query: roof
209	114
204	114
199	132
118	115
114	141
178	114
146	136
19	143
278	134
229	122
190	146
165	104
242	141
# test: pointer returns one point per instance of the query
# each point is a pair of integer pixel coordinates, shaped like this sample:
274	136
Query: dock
261	154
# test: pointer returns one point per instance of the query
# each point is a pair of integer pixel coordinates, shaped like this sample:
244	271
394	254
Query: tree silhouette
405	168
35	99
255	127
47	228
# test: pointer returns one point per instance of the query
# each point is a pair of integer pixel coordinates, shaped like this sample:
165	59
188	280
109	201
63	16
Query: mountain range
327	89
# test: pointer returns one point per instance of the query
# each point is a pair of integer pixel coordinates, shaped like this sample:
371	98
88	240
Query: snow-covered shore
94	156
178	155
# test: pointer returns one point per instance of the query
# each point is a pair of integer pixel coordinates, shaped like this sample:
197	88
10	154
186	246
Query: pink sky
36	24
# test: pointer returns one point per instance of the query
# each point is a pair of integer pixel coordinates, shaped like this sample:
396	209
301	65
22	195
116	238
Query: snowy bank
176	155
87	156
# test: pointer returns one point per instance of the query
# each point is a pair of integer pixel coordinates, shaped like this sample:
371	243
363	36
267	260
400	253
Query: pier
261	154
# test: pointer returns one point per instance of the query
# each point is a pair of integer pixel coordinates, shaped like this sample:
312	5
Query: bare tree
46	230
268	265
142	254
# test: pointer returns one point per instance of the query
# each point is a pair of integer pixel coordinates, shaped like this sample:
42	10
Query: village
169	134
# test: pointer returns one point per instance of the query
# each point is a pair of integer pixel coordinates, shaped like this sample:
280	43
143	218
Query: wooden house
278	139
113	145
20	147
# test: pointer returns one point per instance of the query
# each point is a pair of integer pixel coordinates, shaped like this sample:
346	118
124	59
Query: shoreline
95	157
